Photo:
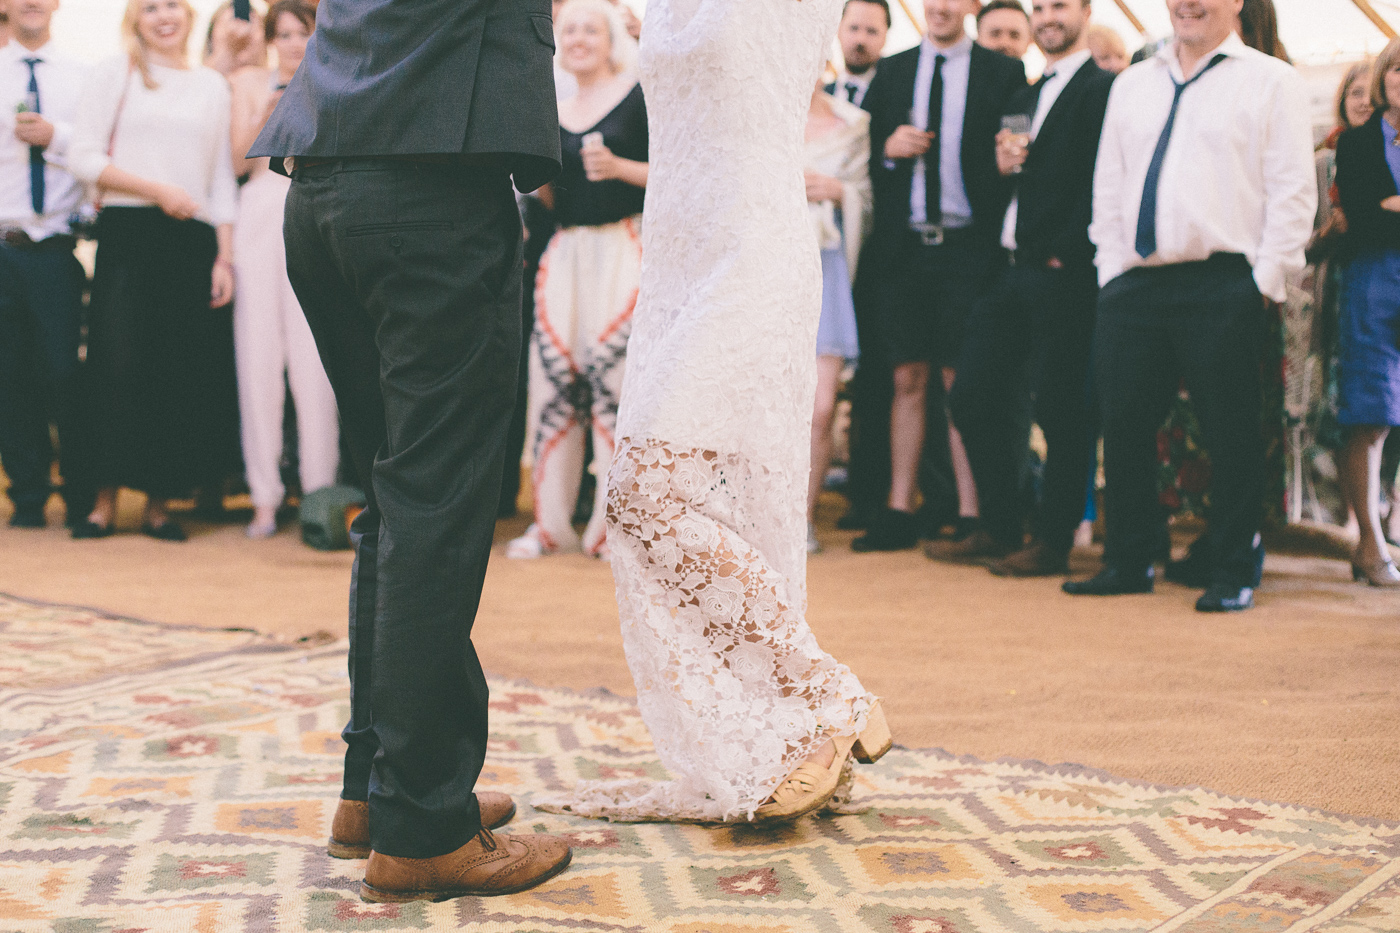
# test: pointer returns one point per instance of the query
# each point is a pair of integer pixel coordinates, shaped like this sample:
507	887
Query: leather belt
18	238
292	163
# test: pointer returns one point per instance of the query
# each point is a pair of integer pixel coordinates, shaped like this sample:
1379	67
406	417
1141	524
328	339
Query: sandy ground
1296	701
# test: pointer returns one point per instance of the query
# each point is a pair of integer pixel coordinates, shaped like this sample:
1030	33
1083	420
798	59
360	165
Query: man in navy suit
1029	341
402	132
935	111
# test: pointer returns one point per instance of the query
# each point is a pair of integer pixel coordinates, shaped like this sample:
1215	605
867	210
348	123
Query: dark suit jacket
422	77
1363	182
1056	185
992	79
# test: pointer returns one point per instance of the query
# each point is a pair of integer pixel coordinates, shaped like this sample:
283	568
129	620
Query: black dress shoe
1222	597
86	530
168	530
964	528
1112	581
1196	570
856	518
1193	570
28	517
893	531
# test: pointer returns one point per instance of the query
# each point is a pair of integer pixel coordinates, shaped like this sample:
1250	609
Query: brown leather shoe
975	548
1035	560
350	828
485	866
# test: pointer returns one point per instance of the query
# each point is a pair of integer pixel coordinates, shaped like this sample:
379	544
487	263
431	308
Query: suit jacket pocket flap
544	28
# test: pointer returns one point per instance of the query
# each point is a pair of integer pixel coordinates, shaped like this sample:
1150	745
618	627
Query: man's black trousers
41	318
410	274
1201	323
1027	347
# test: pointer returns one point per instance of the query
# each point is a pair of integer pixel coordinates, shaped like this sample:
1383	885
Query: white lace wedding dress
707	489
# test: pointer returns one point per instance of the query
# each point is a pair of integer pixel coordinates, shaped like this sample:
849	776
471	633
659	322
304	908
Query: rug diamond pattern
192	789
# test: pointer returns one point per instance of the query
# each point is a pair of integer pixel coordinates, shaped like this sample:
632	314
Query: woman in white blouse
839	199
152	135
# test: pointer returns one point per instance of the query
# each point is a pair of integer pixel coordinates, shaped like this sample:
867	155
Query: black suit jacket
424	77
1056	186
1364	180
992	79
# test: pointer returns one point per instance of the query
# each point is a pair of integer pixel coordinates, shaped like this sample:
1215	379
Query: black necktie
36	153
933	181
852	89
1147	211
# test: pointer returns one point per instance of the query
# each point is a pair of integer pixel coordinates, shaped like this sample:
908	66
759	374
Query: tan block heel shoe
810	787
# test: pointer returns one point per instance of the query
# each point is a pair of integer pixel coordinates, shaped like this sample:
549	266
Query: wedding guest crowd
996	255
148	405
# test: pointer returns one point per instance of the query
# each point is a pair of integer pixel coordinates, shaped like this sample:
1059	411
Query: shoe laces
488	840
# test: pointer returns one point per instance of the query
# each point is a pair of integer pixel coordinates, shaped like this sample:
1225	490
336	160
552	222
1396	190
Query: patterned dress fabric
193	789
707	495
585	293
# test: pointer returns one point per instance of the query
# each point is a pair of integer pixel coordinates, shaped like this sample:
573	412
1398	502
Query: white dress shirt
61	81
957	210
847	83
1055	80
176	133
1238	176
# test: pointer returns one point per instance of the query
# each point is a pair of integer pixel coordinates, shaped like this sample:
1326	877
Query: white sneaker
529	546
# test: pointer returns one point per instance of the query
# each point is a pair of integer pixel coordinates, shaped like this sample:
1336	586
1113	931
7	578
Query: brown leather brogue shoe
486	866
973	549
350	828
1037	560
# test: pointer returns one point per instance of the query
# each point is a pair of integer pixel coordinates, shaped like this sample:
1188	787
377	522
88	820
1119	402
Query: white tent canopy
1315	31
1323	36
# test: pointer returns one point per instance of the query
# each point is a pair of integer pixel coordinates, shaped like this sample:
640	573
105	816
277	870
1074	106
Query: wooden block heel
870	746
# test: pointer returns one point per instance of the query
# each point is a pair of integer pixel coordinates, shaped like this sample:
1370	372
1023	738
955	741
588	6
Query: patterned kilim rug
192	787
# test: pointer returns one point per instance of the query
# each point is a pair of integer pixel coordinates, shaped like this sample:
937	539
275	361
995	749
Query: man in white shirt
865	25
1027	346
41	282
1204	196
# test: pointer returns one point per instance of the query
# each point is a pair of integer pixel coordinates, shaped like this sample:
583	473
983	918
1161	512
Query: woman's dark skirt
155	364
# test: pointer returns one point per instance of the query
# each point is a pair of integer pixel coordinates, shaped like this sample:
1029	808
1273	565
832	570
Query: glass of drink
1019	126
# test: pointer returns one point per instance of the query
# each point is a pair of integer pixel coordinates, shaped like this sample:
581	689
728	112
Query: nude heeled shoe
811	786
1382	573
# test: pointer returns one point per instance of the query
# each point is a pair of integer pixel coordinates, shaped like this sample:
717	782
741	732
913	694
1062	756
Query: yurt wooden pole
1365	7
909	12
1132	17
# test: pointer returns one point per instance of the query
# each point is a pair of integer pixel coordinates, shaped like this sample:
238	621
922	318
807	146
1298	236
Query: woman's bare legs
1361	483
823	417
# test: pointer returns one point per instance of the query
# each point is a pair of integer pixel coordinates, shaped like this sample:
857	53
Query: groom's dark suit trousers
410	274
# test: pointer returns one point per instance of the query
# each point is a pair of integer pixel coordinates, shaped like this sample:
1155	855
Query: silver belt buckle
929	234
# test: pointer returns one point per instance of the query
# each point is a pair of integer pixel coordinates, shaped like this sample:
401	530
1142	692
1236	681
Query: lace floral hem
730	679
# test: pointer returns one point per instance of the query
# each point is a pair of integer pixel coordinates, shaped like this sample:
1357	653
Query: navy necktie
933	180
1147	211
36	153
852	89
